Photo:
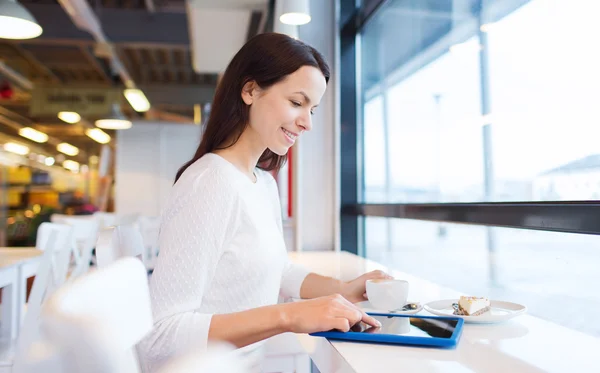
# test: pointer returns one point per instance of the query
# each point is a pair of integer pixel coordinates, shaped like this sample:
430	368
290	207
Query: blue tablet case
398	338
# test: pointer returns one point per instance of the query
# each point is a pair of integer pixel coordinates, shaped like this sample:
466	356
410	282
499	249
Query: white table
16	265
524	344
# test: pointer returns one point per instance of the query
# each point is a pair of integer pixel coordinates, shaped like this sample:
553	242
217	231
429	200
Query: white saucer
500	311
368	307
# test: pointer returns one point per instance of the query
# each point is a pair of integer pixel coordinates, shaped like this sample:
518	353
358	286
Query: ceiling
157	44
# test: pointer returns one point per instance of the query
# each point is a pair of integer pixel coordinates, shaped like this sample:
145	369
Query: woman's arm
298	282
315	285
308	316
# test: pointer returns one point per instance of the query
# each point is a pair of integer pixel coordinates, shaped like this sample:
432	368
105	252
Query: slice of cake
473	306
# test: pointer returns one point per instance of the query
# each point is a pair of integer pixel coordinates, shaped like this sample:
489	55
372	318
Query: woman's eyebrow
305	96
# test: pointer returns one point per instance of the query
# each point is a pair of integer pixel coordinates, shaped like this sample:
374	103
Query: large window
542	78
478	101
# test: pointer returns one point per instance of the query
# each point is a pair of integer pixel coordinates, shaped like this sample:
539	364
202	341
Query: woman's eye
296	104
312	112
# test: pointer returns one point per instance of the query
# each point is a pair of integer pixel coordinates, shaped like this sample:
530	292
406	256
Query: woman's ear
249	91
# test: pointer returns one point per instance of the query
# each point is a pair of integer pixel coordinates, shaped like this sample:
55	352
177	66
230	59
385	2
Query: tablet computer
404	329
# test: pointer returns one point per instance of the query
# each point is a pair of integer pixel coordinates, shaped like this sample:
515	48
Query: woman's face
280	114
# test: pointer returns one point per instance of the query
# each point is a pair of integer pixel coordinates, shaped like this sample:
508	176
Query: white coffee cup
387	295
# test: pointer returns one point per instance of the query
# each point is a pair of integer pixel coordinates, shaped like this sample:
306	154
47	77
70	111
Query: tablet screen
409	326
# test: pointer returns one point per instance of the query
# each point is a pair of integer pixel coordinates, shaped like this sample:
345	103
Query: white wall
147	157
319	211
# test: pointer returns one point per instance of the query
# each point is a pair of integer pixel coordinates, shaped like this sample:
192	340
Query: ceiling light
71	165
137	100
68	116
16	22
49	161
98	135
13	147
33	135
294	12
115	121
67	149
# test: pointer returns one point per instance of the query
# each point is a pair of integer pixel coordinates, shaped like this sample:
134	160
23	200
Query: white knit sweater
221	251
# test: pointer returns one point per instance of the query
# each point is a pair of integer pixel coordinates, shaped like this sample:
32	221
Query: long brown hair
266	59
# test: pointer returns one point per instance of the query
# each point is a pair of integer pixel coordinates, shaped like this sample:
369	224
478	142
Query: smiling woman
274	82
223	261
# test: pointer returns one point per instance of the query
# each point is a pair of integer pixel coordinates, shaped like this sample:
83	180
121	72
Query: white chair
60	246
150	227
85	234
50	275
109	219
97	319
105	219
117	242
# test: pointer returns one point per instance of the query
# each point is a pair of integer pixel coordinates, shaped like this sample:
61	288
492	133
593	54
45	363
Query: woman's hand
323	314
355	290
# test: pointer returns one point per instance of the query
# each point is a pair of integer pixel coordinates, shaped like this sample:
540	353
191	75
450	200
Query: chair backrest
106	219
109	219
85	234
55	240
117	242
97	319
127	219
150	228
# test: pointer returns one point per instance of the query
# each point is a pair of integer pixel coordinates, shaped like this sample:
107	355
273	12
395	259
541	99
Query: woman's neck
244	154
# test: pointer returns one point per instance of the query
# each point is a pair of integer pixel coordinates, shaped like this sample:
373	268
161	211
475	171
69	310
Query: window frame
560	216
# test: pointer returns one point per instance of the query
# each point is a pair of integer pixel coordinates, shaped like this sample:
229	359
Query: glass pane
533	268
544	91
422	73
434	155
425	147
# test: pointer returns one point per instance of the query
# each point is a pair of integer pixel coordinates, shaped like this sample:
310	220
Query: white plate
368	307
500	311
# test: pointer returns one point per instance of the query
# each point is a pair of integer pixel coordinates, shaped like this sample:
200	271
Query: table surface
523	344
11	256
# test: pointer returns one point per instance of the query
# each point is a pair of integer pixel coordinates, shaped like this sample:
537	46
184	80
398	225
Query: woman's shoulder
207	173
204	184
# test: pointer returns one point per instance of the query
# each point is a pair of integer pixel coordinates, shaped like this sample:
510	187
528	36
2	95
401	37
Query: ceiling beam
119	25
270	17
101	69
37	64
15	76
156	114
178	94
254	24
